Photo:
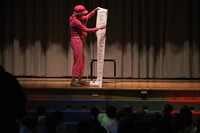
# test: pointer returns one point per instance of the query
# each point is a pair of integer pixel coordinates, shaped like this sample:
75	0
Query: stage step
86	104
66	104
149	105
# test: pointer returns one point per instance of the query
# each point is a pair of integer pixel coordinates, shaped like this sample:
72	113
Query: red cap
80	8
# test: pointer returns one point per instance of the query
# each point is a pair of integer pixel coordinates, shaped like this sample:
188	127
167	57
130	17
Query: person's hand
102	27
96	9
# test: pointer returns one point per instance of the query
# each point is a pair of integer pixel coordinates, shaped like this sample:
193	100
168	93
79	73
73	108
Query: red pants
79	58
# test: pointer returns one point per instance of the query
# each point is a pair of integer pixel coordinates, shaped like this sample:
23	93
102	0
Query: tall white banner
101	39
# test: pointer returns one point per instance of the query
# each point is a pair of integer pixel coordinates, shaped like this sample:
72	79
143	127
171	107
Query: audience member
50	123
97	129
41	115
60	125
15	107
167	109
108	119
186	115
28	124
94	111
196	128
83	126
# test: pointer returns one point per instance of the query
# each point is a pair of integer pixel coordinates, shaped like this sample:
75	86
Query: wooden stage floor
110	84
128	89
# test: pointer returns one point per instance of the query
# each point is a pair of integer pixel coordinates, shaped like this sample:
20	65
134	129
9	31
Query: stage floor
111	84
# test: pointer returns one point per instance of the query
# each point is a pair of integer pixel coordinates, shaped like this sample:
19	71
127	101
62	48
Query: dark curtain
148	38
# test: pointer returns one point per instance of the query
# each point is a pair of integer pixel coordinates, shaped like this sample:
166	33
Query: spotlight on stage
145	108
68	107
84	107
143	94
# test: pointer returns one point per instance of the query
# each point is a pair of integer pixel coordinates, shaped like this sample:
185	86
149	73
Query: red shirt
77	25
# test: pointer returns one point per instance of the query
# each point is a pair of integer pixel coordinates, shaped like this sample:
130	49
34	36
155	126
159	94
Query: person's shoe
75	84
84	83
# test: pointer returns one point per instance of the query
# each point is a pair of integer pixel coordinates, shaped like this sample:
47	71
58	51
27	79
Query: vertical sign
101	39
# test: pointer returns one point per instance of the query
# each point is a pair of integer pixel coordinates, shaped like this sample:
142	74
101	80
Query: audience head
41	109
168	108
15	108
111	111
94	111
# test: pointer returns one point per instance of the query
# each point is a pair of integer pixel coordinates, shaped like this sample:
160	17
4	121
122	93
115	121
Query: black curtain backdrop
148	38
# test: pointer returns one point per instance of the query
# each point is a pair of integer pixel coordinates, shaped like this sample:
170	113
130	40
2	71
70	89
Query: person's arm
83	28
91	14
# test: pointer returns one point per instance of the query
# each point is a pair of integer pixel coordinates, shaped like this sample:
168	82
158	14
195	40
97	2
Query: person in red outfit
78	31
